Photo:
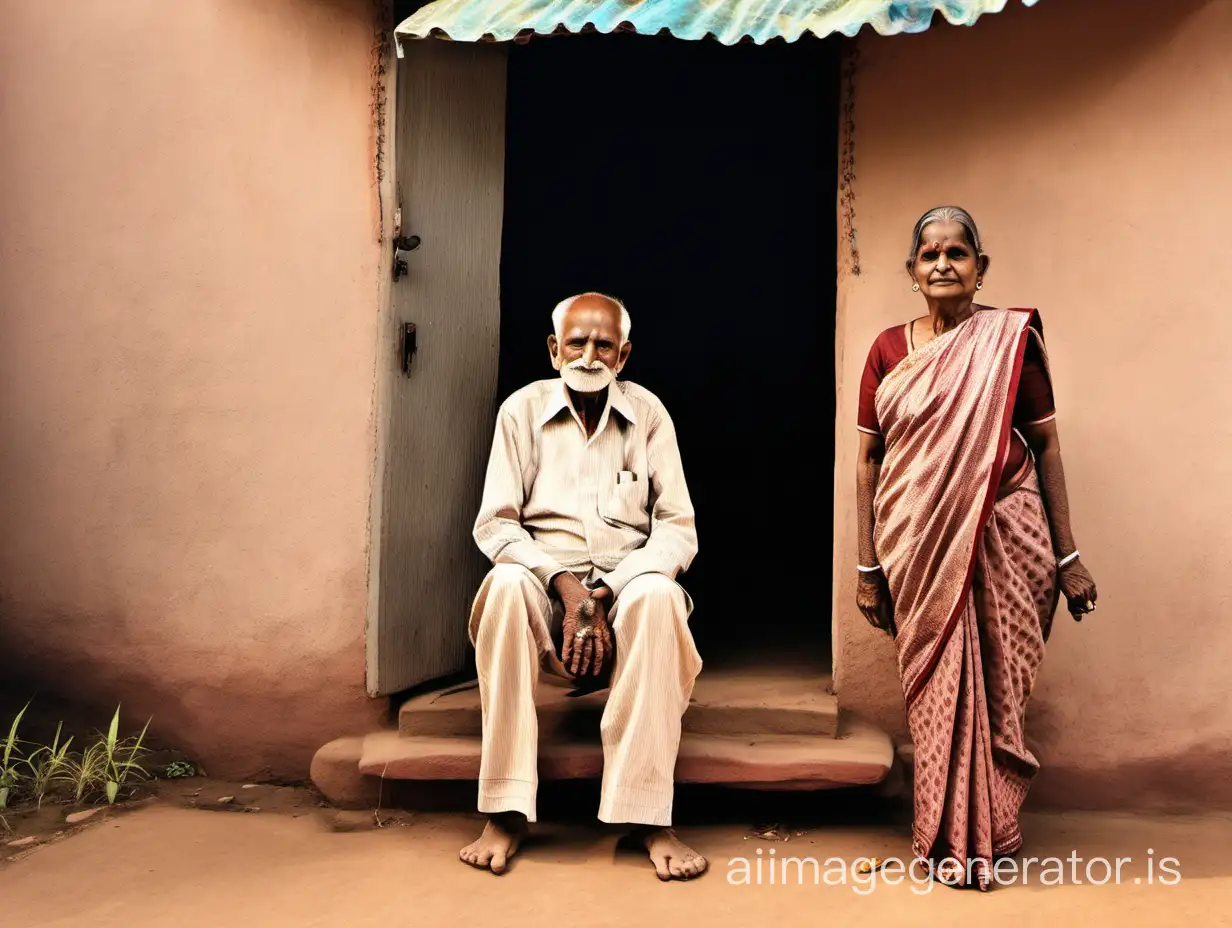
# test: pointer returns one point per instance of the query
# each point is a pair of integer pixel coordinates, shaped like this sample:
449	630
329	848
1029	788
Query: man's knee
503	587
655	592
508	577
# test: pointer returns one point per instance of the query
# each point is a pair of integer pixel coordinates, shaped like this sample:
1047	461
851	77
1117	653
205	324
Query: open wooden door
439	394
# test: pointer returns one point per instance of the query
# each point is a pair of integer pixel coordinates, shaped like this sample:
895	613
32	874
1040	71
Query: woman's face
946	267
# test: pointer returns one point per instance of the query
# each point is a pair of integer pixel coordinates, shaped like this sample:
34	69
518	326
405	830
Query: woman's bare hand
1079	588
873	599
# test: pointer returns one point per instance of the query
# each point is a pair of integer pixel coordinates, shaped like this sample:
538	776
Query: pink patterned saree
972	579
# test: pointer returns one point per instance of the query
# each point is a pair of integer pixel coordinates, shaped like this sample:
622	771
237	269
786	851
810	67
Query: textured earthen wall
188	272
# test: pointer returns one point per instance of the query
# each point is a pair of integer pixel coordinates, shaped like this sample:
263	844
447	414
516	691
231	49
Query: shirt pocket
625	505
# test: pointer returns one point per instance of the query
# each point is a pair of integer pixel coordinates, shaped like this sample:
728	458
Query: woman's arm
1076	581
872	593
868	469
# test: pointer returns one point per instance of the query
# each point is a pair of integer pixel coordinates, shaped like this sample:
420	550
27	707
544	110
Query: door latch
403	246
409	346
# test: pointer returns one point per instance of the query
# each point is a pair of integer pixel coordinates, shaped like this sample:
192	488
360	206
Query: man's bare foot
672	859
498	843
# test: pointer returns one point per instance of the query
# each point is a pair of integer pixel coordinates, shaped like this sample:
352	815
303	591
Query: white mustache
587	378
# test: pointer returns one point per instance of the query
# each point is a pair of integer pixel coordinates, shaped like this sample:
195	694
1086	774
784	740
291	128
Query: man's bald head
592	301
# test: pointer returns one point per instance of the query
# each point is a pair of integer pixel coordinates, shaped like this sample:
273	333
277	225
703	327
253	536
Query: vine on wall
847	153
382	30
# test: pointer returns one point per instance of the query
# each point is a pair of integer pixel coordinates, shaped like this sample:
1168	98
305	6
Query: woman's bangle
1068	558
868	570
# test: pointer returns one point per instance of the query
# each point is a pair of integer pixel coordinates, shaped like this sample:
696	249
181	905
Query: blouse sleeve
1034	403
874	371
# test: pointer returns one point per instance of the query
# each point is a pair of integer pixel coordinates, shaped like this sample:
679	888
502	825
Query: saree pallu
972	580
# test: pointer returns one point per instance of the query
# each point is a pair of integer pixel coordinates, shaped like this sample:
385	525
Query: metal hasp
403	246
409	346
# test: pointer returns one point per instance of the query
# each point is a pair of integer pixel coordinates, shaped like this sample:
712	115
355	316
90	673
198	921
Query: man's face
589	352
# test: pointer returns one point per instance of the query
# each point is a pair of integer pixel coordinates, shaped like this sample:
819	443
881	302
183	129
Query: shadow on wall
1192	780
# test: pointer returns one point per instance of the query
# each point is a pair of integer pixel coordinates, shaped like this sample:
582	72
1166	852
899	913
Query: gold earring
915	288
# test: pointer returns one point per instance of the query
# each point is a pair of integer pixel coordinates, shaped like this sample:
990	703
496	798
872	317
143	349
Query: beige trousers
652	680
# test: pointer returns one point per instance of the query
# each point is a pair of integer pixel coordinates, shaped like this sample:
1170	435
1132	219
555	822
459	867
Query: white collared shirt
612	507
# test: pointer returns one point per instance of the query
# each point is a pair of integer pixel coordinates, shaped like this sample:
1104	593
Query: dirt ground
26	826
296	863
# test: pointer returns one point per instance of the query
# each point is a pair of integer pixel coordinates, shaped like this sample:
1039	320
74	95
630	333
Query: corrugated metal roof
729	21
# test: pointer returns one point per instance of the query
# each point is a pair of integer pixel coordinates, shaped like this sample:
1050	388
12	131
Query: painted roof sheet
729	21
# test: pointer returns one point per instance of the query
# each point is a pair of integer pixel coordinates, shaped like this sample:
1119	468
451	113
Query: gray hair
945	214
558	314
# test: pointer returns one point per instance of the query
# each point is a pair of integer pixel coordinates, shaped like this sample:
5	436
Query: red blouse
1032	404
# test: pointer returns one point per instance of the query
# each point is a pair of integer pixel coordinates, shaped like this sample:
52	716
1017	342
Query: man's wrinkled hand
587	635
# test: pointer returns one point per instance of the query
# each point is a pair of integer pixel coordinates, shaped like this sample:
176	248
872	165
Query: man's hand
1079	588
873	598
588	638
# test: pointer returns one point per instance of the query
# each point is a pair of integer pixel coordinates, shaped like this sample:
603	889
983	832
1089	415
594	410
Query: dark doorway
697	183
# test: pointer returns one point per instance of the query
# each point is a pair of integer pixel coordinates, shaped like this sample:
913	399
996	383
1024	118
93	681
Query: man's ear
624	356
553	352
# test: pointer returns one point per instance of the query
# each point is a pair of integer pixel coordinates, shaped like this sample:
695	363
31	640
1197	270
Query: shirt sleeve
874	371
672	544
1034	403
498	528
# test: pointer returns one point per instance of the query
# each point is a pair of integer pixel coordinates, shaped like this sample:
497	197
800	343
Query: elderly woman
965	541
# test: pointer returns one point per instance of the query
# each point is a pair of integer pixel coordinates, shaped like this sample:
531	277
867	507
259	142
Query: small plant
119	758
178	769
85	774
49	765
105	766
32	773
10	776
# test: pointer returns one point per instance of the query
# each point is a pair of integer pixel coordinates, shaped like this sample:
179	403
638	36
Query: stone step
761	700
861	754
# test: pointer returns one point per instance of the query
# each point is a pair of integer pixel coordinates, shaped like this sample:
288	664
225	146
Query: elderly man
587	520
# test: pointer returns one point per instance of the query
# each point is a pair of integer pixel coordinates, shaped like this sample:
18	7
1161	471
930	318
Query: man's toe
476	857
687	867
696	865
683	867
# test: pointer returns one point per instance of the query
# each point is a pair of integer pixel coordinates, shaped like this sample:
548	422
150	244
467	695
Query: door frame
384	129
385	136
